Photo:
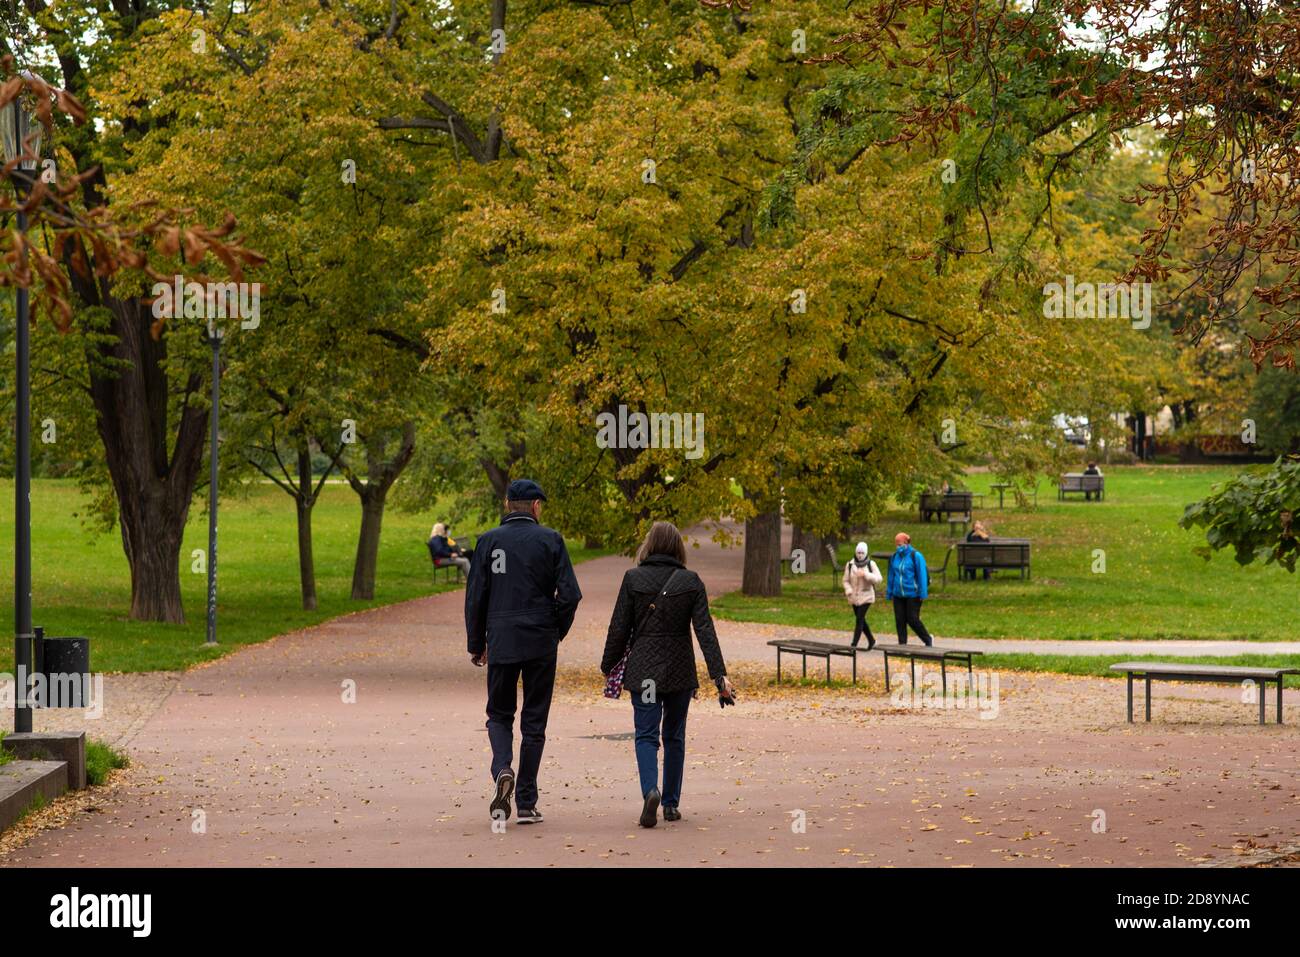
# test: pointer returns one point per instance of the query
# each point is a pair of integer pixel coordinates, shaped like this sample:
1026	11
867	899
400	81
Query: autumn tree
294	90
96	275
1214	79
623	248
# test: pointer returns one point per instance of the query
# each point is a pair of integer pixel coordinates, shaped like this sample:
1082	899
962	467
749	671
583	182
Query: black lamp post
215	336
21	134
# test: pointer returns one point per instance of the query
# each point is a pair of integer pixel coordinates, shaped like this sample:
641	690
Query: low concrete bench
1223	674
24	783
1088	485
817	649
928	653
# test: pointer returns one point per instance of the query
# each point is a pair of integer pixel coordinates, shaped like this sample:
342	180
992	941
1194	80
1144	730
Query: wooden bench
448	566
928	653
996	553
444	564
1079	482
818	649
947	505
1223	674
884	558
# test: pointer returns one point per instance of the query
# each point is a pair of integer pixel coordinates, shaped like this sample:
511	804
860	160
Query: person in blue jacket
907	587
520	599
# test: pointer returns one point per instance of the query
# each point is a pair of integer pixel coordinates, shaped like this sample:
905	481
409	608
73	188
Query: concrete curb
22	782
66	746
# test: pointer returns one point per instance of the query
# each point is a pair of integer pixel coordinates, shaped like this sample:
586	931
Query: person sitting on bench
978	533
1091	470
444	550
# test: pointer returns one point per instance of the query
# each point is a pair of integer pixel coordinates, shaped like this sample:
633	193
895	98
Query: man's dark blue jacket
524	609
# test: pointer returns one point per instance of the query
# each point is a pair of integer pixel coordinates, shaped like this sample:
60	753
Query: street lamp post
19	130
214	338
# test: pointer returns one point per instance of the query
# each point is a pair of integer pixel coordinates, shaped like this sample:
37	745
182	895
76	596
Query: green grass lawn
1153	586
82	586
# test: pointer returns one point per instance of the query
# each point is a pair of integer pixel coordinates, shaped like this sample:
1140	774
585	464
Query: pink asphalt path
261	748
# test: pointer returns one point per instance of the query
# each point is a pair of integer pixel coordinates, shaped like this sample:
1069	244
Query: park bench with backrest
787	565
946	504
1223	674
928	653
817	649
994	554
446	565
837	567
1081	483
883	559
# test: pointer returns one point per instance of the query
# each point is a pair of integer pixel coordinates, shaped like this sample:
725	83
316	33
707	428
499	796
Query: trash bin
64	668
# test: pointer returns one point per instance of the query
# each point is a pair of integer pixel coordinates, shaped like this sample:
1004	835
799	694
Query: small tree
1254	513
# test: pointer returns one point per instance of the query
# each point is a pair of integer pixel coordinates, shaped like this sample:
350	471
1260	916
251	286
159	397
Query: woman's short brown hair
663	539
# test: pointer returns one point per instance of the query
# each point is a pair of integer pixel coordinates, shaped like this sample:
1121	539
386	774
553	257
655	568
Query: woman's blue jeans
669	712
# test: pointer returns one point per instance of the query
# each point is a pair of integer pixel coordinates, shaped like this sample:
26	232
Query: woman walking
649	648
861	576
908	587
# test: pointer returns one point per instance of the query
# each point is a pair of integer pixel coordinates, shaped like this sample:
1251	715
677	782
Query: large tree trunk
497	477
153	478
498	473
153	441
305	501
151	539
381	473
762	575
367	560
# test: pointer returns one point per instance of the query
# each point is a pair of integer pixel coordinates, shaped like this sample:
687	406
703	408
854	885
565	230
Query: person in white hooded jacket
861	576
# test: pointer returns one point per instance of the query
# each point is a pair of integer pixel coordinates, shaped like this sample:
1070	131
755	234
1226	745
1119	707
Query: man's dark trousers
503	684
907	611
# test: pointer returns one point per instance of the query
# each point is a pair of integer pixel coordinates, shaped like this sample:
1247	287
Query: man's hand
480	659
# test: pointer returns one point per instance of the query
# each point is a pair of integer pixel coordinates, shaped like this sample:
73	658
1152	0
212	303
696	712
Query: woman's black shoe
871	643
650	812
672	814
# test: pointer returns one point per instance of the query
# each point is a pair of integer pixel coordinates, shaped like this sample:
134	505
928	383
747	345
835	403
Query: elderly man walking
519	604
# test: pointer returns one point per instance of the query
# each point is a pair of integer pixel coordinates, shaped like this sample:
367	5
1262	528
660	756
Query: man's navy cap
524	490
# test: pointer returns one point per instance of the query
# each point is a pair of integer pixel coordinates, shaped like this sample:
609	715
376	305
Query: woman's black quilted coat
664	654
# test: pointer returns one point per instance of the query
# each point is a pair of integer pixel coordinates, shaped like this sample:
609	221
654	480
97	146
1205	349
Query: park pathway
260	759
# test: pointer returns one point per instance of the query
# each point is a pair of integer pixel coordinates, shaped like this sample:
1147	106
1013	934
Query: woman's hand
726	690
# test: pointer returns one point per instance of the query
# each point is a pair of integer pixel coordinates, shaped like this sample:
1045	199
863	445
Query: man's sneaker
530	816
650	812
672	814
505	790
